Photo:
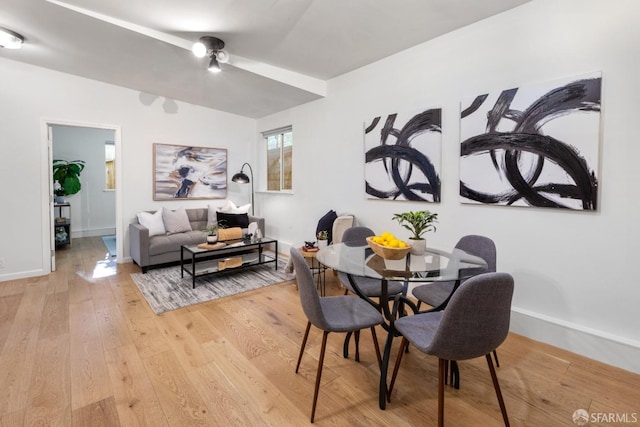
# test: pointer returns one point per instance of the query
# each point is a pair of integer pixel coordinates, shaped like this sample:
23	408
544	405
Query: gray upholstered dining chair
369	287
331	314
438	293
474	324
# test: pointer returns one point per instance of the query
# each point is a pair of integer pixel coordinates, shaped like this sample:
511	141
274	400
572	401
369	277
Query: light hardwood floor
81	347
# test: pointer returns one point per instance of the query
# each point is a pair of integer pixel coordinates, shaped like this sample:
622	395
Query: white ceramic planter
419	247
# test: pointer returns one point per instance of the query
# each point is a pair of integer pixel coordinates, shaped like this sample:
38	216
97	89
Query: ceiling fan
214	48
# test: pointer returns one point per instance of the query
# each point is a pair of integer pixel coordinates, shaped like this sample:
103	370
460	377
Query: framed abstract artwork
187	172
402	156
534	146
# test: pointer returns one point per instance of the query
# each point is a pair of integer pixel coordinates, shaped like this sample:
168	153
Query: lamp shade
241	178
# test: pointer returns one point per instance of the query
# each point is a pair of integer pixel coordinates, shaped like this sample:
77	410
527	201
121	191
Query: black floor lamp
242	178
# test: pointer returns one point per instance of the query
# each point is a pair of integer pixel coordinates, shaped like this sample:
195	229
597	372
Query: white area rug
165	290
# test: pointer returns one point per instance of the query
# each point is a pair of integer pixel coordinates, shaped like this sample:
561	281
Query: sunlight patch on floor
104	268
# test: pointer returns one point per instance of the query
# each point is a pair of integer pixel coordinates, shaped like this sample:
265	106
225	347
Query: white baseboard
588	342
94	232
22	275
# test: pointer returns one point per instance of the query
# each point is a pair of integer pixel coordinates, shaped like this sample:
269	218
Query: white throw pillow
231	207
176	221
153	221
242	209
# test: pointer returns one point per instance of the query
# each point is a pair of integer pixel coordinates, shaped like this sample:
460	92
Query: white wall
93	209
576	286
575	281
31	95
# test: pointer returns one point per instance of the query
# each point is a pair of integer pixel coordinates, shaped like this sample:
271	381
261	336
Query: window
110	165
279	159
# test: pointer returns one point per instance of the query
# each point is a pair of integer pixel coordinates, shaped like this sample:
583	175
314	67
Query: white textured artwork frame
403	155
536	145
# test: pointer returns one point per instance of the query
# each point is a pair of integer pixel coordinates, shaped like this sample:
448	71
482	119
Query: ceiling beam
282	75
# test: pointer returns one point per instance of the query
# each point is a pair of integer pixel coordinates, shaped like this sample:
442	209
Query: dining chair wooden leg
441	366
396	367
376	346
304	343
319	374
356	338
496	385
495	356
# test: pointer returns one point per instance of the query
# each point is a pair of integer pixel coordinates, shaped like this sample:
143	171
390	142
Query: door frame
48	253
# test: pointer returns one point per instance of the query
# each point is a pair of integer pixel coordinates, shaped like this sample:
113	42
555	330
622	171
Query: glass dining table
434	266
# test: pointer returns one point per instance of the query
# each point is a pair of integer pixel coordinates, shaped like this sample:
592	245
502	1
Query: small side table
317	269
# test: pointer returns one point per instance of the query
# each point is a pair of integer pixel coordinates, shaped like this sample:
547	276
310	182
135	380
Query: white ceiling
320	39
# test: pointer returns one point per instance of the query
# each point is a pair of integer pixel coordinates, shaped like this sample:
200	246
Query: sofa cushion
171	242
176	221
152	221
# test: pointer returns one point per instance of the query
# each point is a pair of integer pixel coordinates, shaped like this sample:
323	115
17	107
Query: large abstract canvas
535	145
182	172
402	156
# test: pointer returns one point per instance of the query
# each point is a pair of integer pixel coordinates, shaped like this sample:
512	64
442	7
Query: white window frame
277	132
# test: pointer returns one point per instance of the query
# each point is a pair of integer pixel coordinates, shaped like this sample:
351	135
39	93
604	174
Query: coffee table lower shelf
203	262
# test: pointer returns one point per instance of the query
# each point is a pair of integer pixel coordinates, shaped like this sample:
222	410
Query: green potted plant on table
212	233
66	177
418	223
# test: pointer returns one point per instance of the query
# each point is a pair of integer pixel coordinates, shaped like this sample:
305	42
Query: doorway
96	209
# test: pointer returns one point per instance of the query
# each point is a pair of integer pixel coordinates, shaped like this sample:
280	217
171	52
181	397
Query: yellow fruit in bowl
393	249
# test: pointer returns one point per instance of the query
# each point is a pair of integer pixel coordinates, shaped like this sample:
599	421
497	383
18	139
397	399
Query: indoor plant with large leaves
67	175
418	223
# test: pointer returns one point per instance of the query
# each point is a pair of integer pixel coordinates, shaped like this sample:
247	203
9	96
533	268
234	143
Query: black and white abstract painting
534	146
402	156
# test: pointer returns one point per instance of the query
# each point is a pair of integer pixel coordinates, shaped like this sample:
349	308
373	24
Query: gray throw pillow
176	221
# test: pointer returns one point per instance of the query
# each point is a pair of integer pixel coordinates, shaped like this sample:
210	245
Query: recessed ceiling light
10	39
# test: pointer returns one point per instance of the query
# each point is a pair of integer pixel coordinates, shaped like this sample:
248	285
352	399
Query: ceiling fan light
214	67
10	39
222	56
199	49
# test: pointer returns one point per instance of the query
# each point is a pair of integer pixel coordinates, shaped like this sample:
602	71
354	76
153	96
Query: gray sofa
164	249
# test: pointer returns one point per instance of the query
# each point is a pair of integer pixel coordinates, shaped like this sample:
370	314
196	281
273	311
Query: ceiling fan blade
288	77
